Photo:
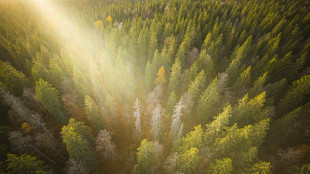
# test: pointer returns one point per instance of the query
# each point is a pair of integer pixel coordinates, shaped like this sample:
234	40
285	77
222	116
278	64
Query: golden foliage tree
161	79
109	19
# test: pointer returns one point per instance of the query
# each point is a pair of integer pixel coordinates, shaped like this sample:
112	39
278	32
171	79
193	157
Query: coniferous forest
155	86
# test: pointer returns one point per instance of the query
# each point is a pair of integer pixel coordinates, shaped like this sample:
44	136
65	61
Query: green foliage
223	166
39	71
145	158
208	103
148	76
11	79
218	126
183	51
244	80
57	71
249	111
197	85
175	75
261	168
252	54
189	160
93	113
26	164
49	98
191	140
295	95
172	100
77	145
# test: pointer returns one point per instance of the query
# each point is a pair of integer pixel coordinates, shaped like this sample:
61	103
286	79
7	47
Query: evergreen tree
175	75
172	100
39	71
183	52
93	113
153	44
77	145
250	111
48	97
11	79
241	85
295	95
197	85
26	164
217	127
208	103
57	71
148	76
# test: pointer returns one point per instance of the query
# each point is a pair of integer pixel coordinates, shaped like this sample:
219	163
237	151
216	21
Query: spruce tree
49	98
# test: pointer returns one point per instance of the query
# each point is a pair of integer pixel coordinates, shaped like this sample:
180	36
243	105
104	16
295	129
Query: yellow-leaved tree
99	25
161	78
109	19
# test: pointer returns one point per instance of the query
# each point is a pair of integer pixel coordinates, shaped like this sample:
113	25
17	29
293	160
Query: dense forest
155	86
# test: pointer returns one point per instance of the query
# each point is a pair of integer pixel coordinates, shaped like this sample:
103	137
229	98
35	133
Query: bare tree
156	122
171	163
22	143
176	127
104	144
137	115
74	167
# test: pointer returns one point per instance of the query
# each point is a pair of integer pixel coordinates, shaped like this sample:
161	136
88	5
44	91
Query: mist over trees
167	86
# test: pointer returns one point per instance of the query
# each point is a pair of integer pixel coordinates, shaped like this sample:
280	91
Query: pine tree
217	127
93	113
208	103
190	75
153	44
172	100
175	75
250	111
258	86
39	71
243	82
77	146
183	52
48	97
26	164
197	85
148	76
11	79
57	72
295	95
